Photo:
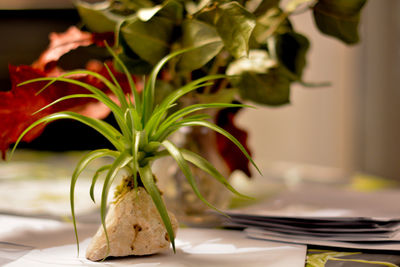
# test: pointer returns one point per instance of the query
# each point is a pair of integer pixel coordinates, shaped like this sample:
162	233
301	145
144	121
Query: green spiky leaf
148	181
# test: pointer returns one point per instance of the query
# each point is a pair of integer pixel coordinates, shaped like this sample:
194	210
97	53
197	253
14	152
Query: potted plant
252	41
138	222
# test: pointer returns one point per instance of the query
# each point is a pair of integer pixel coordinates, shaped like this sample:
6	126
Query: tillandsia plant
142	137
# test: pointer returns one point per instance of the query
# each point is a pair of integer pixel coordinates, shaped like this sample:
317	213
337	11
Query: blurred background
352	125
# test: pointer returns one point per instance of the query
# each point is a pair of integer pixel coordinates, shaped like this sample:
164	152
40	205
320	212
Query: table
33	233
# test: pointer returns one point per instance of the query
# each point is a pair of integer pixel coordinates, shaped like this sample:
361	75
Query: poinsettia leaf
100	39
291	49
235	26
97	17
62	43
206	41
339	18
17	106
232	155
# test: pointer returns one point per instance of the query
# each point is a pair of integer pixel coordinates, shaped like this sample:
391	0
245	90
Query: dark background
24	36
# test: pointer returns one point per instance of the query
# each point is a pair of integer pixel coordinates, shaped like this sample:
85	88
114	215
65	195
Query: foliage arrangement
143	131
249	47
252	39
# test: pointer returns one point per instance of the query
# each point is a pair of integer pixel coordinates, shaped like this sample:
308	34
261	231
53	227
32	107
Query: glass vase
176	190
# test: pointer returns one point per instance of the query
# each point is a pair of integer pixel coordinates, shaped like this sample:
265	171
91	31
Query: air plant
142	134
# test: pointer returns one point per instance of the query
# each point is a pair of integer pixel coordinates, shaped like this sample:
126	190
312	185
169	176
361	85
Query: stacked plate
326	217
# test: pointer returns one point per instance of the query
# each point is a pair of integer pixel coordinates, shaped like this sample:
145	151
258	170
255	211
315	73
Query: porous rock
134	227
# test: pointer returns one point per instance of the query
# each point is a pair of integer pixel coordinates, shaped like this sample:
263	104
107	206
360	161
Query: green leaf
100	94
146	176
134	119
162	90
120	95
291	49
235	26
180	160
82	164
265	6
151	39
130	81
114	108
188	110
97	17
137	4
135	152
102	127
149	89
219	130
339	18
222	96
273	22
208	15
206	41
120	162
173	10
174	96
272	88
261	79
133	63
94	180
160	112
206	166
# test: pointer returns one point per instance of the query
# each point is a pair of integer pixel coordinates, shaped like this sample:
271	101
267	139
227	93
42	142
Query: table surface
33	233
44	242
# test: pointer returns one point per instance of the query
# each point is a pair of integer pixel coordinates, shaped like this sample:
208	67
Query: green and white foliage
221	33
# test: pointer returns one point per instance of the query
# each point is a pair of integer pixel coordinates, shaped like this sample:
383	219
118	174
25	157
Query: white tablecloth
44	242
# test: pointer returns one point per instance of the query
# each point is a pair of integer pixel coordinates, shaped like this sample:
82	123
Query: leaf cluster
319	258
222	33
142	133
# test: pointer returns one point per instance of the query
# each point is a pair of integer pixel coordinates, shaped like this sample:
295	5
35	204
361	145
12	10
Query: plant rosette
138	222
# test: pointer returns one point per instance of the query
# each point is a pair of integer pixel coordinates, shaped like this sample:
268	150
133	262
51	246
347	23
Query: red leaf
61	44
18	104
232	155
99	39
